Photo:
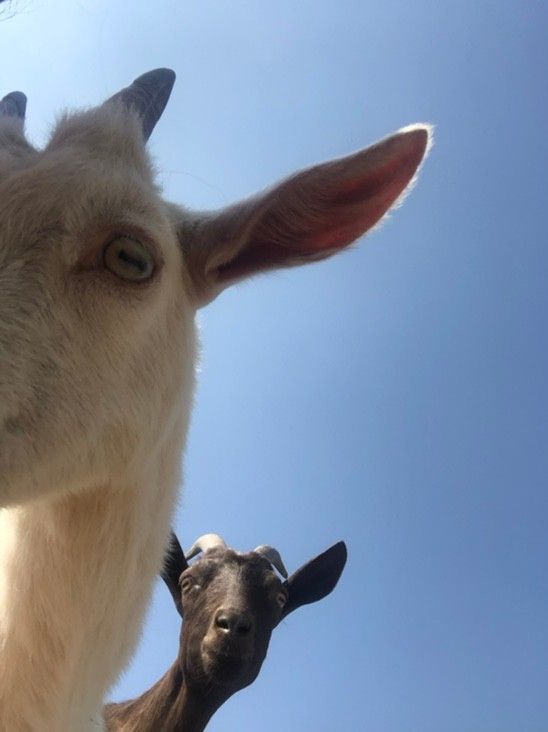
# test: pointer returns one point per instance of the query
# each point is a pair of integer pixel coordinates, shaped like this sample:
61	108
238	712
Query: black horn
273	556
148	96
14	105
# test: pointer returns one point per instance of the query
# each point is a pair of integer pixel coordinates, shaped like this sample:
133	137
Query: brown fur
231	603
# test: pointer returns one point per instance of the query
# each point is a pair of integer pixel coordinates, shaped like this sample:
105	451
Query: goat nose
236	622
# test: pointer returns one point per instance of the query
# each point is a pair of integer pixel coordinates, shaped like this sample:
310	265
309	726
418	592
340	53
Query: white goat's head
100	280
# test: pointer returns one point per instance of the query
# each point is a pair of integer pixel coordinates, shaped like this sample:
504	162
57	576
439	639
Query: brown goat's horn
204	544
148	96
273	556
14	105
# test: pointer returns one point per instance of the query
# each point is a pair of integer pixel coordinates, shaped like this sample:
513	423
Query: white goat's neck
75	578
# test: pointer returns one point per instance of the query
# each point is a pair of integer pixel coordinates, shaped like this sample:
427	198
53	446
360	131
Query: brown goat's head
231	602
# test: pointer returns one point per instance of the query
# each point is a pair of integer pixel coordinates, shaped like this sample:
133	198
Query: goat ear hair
316	579
174	564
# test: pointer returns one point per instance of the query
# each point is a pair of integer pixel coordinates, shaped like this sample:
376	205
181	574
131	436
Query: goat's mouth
224	664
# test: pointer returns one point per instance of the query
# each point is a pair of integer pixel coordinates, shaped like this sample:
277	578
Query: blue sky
395	396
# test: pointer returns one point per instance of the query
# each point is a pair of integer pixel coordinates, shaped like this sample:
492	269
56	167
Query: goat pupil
140	264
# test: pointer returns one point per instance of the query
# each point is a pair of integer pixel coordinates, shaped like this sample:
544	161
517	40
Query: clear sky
394	397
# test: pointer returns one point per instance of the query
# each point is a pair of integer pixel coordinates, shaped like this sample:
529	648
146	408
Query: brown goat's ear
308	217
315	579
174	565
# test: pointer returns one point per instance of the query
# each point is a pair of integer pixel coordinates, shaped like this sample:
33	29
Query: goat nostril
238	623
243	627
222	622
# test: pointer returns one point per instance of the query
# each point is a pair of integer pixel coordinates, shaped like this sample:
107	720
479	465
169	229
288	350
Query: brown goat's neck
170	705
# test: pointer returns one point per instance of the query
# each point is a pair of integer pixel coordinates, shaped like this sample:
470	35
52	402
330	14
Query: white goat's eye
128	259
281	599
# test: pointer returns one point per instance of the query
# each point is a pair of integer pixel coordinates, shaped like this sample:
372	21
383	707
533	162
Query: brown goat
231	603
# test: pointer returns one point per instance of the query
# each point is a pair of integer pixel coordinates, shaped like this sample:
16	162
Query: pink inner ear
322	210
358	203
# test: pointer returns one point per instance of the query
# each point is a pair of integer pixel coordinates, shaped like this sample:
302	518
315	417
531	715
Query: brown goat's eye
129	259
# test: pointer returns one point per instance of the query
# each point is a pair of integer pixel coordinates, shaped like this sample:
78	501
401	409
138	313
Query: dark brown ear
174	565
309	216
315	579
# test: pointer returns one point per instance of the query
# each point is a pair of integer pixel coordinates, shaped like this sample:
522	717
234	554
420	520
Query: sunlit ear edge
310	216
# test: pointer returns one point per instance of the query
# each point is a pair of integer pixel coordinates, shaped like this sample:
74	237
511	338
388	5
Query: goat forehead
75	193
109	133
231	572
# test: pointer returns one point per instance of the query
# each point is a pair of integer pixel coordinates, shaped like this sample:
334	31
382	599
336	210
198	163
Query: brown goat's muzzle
228	648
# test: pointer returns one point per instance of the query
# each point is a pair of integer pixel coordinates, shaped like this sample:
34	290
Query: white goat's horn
14	104
205	543
273	556
148	96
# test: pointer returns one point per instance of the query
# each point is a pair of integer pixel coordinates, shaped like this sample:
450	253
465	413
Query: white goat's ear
311	215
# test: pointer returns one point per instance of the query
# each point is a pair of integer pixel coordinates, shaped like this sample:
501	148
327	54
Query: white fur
96	385
96	382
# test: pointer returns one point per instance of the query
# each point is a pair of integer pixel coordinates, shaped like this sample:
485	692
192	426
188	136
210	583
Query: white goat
100	280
